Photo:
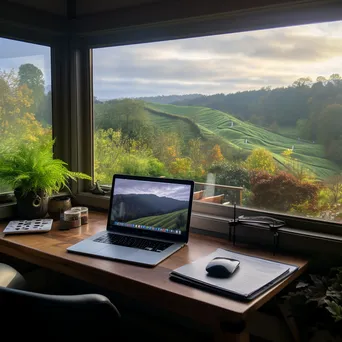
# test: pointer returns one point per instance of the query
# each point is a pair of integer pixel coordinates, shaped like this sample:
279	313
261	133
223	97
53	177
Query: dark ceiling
82	7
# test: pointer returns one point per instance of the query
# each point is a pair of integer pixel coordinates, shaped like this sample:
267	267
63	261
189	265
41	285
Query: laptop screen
157	206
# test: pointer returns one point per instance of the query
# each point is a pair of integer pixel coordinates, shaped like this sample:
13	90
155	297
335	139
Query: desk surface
150	285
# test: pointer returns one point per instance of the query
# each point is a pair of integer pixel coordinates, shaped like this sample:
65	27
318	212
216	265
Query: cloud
219	64
179	192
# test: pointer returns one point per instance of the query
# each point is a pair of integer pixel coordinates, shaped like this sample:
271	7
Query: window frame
275	16
72	95
24	28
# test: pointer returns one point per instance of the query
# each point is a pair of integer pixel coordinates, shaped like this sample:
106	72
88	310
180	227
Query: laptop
148	220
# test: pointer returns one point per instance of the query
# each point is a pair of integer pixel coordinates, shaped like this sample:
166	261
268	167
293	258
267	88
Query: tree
261	160
304	129
321	79
115	154
281	191
334	184
335	78
197	156
330	132
215	154
195	151
302	82
16	121
126	115
274	127
45	109
33	78
166	146
231	173
181	167
334	150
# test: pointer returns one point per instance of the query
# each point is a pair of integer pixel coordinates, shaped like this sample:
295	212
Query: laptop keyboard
134	242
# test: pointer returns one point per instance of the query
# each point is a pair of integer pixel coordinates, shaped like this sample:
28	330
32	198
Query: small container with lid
72	219
84	213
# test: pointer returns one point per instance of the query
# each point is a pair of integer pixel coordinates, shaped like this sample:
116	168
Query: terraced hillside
243	135
175	123
170	221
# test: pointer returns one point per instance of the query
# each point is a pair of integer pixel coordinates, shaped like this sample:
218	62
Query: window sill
7	210
205	219
290	239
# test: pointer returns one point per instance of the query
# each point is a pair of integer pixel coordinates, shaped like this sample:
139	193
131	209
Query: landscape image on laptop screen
154	206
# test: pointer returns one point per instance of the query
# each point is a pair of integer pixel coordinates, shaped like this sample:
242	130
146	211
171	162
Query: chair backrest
51	317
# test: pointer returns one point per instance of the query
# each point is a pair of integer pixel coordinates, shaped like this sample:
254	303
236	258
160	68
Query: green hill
162	220
175	123
209	123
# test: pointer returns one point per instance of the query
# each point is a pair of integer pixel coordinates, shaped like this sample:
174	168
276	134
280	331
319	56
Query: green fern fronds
31	167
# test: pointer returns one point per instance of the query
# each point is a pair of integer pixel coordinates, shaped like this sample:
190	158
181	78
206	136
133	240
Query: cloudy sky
207	65
128	186
219	64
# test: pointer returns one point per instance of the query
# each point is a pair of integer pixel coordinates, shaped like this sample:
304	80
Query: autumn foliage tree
216	154
261	160
17	123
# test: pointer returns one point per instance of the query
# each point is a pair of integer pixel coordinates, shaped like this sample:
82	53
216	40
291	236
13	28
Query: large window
25	94
254	118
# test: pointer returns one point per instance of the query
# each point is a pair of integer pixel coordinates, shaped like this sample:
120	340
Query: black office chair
50	317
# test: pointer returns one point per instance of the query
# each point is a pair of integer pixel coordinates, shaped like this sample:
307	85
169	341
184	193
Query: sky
128	186
15	53
207	65
219	64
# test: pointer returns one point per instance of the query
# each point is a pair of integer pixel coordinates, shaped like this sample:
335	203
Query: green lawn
235	132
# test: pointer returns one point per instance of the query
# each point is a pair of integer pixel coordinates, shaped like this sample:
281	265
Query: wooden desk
151	285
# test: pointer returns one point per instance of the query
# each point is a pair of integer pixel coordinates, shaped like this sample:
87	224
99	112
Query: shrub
281	191
228	173
233	174
115	154
181	167
144	165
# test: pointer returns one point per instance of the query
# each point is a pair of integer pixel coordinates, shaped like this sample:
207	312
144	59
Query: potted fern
33	173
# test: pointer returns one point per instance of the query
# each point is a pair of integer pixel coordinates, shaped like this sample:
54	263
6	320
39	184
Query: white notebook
253	276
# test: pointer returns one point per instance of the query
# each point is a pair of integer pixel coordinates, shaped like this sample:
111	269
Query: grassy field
168	221
243	135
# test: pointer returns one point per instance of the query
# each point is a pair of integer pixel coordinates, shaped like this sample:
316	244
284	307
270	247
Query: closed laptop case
253	277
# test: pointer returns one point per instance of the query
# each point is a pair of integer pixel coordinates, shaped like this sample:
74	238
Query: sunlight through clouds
219	64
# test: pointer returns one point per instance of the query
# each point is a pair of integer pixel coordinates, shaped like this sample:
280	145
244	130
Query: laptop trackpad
117	252
87	246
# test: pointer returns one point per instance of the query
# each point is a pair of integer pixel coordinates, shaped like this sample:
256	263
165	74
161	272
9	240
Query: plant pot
58	205
33	205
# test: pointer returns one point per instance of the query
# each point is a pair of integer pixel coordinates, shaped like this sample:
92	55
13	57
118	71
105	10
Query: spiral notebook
253	277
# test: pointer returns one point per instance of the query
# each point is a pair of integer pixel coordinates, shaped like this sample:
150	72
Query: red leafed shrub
281	191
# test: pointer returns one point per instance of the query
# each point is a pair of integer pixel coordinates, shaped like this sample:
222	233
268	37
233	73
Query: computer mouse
222	267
